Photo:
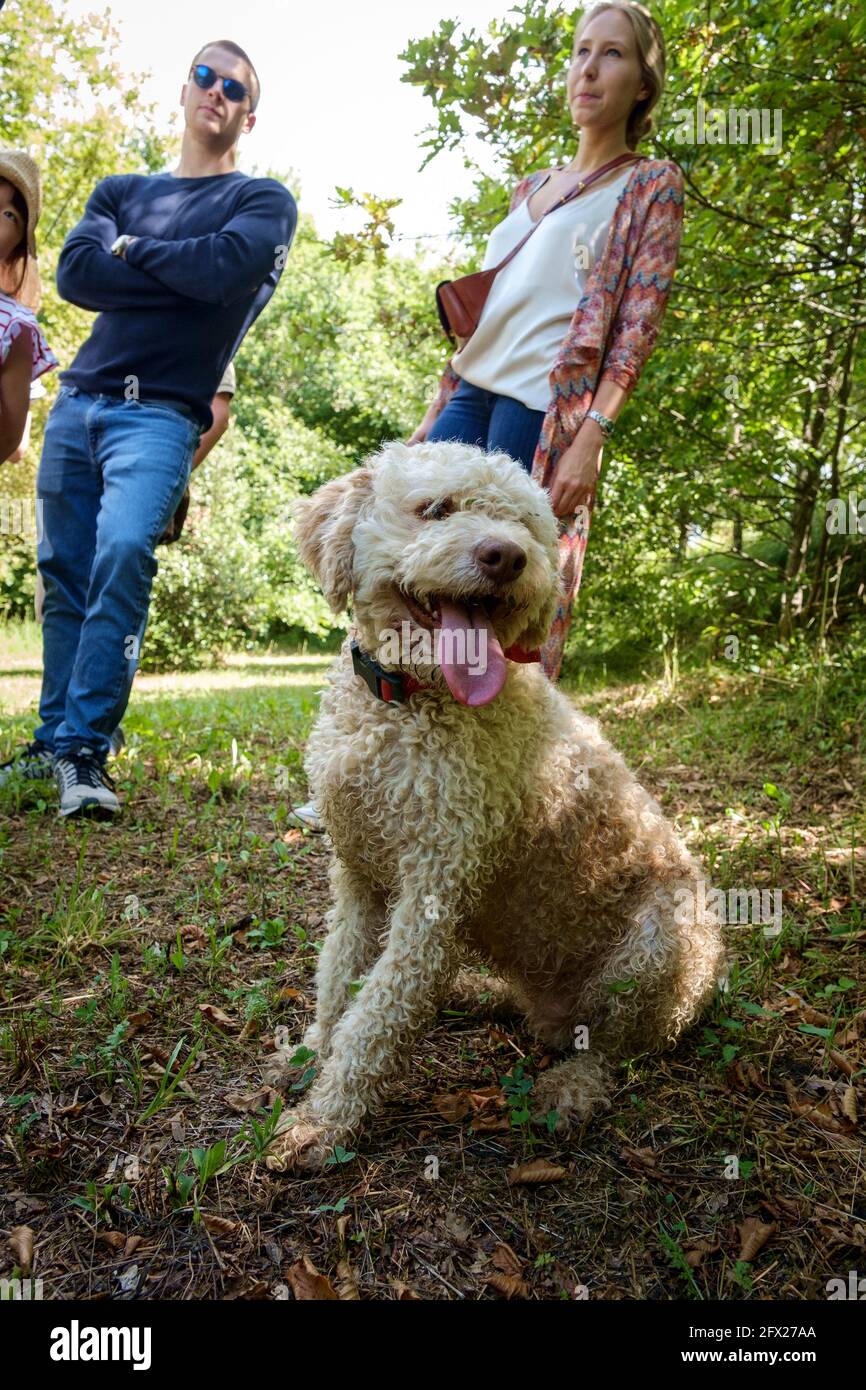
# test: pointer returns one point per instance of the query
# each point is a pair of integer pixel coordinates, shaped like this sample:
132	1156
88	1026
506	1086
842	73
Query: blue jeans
475	416
111	476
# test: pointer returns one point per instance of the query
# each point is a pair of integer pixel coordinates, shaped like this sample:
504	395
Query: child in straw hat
24	354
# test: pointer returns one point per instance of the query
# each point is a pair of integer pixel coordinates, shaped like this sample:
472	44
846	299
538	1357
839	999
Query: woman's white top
532	301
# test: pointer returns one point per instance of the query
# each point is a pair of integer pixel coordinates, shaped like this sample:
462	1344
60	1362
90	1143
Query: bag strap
574	192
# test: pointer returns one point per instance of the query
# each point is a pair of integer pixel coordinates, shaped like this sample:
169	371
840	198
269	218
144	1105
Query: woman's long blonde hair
651	56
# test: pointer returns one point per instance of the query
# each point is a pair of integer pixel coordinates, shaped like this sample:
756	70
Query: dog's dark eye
435	511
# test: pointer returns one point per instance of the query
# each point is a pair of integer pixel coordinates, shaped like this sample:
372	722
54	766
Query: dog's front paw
573	1095
301	1144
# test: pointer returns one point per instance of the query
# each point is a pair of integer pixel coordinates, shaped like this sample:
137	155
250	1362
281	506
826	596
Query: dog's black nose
501	561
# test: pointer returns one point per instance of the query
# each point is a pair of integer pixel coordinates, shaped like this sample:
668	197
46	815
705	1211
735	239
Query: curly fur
511	832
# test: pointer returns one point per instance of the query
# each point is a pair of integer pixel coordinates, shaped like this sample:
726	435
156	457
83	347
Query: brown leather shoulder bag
460	302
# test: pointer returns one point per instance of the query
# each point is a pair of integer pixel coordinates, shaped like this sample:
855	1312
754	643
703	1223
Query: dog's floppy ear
323	527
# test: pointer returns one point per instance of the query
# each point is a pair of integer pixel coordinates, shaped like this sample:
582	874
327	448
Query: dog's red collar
393	687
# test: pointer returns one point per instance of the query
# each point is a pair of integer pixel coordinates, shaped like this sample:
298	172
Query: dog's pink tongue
479	677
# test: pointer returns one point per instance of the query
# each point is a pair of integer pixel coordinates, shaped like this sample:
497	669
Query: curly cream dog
483	817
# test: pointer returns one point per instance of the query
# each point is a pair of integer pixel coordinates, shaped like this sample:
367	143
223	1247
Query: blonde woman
570	321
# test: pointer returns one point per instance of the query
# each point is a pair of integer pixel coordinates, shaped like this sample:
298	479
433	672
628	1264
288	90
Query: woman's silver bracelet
606	425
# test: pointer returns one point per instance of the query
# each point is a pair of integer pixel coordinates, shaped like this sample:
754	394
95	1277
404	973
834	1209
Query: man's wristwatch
606	426
118	247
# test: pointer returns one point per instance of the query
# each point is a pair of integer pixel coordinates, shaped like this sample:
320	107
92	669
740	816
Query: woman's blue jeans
111	476
475	416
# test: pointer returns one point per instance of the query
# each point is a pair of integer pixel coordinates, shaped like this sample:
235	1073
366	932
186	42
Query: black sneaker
33	763
84	784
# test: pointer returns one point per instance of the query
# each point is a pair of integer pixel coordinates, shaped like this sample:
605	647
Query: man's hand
576	476
119	247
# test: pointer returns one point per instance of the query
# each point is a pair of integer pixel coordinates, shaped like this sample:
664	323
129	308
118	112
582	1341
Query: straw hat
20	169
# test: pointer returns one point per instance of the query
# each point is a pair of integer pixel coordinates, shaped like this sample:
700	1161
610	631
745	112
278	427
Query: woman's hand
576	476
424	428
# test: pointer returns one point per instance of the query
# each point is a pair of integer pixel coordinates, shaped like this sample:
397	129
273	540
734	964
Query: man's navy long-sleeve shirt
207	260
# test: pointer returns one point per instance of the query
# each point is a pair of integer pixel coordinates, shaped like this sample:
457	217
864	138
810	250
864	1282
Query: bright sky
333	106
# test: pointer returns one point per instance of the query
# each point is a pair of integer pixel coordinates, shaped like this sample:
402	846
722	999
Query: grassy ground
145	966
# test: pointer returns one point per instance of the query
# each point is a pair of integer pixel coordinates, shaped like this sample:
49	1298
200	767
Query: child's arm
15	393
220	408
91	277
21	452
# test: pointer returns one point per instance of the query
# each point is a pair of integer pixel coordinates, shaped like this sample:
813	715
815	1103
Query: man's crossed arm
163	274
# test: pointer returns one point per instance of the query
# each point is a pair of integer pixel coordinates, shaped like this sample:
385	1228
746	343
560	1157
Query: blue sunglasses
205	77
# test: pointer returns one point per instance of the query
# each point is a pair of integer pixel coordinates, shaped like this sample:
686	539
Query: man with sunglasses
178	266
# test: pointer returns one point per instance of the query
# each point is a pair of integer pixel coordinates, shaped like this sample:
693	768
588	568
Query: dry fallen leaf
307	1283
505	1259
842	1062
781	1208
453	1106
254	1100
347	1289
486	1096
643	1159
217	1017
852	1235
486	1124
536	1171
849	1104
192	936
219	1225
116	1239
744	1076
508	1285
138	1021
161	1056
489	1105
257	1289
404	1293
457	1227
21	1245
818	1112
814	1017
754	1234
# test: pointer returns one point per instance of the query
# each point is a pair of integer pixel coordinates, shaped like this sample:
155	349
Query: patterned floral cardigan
612	334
